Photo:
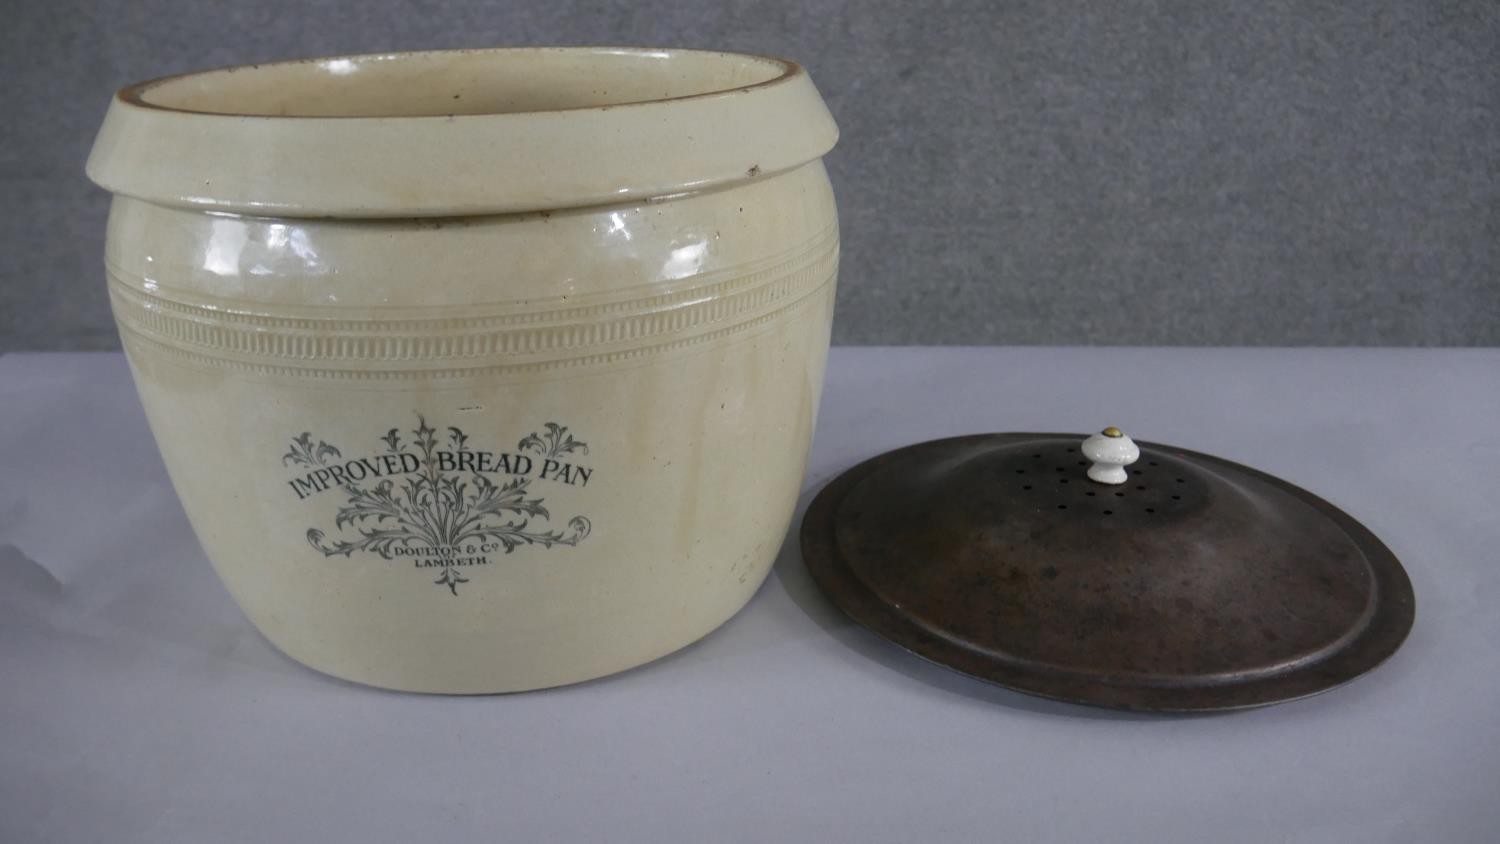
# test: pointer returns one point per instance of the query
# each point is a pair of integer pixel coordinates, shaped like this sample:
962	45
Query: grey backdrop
1228	172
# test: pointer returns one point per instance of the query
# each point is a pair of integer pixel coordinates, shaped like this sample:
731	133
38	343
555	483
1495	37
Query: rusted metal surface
1199	585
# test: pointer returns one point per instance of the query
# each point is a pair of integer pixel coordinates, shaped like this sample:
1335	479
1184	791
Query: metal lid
1041	562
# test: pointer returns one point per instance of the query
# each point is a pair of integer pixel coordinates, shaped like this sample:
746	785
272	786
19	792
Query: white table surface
136	704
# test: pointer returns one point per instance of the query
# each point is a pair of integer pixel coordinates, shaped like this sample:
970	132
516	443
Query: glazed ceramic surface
479	371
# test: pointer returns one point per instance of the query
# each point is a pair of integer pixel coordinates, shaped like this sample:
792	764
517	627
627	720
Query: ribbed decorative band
537	336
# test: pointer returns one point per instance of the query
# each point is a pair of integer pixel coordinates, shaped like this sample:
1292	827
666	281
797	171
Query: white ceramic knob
1111	452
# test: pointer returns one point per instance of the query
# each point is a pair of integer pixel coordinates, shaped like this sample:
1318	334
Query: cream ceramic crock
478	371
